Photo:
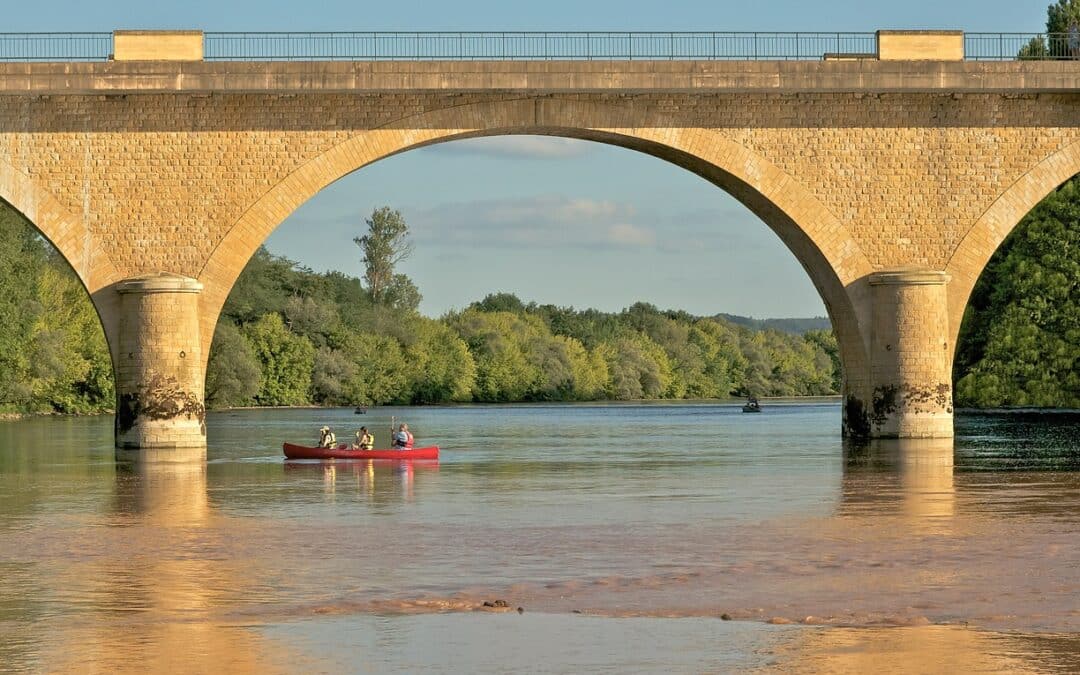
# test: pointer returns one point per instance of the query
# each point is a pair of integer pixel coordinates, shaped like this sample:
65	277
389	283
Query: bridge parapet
535	46
158	45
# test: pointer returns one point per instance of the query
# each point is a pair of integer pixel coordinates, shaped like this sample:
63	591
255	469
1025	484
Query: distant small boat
360	410
752	406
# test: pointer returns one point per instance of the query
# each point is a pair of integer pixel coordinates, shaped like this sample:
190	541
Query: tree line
53	354
290	336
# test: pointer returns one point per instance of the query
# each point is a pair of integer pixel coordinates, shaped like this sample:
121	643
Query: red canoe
343	452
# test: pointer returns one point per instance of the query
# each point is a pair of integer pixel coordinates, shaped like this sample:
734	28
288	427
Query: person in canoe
327	439
365	440
403	438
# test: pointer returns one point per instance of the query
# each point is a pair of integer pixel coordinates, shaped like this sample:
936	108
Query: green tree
825	340
264	286
719	347
440	367
24	257
384	246
402	294
71	369
638	368
315	319
286	362
1060	19
497	342
499	302
1020	340
332	372
380	373
233	373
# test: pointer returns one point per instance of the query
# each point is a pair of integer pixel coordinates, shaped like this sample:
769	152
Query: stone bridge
892	178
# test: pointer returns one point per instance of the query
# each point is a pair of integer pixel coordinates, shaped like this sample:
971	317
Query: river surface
633	538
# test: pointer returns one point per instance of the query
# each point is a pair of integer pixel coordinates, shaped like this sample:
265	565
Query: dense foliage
1020	340
290	336
53	355
322	339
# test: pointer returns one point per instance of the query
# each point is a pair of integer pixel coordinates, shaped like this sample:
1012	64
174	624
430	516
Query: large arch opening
822	245
819	242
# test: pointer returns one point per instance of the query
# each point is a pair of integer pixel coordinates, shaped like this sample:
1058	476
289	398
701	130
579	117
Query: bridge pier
160	371
910	355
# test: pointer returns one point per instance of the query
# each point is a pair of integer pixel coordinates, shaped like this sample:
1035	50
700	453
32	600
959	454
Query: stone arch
68	234
817	238
65	230
998	221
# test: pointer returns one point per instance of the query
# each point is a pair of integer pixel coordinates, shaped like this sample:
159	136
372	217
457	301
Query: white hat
325	429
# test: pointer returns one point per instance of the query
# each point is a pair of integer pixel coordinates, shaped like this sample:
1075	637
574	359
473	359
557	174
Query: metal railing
55	46
531	46
540	46
1021	46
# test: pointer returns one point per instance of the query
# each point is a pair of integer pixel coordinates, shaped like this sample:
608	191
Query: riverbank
597	403
16	416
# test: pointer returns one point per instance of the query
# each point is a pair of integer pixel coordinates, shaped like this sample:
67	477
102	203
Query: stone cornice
539	77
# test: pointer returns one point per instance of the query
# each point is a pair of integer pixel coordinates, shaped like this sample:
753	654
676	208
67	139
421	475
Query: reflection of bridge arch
997	223
821	243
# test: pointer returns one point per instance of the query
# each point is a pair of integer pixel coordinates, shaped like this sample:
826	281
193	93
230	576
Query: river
633	538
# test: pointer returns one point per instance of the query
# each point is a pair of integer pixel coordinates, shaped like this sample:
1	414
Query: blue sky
553	220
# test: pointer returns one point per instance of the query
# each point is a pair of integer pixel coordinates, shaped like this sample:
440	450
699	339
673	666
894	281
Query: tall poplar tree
385	245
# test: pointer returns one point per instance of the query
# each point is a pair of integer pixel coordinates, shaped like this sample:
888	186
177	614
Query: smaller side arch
998	221
68	234
66	231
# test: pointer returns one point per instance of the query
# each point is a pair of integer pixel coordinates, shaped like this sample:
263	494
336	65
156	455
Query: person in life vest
403	438
327	439
365	440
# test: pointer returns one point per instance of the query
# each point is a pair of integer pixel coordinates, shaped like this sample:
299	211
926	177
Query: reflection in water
376	481
919	472
157	610
925	649
680	511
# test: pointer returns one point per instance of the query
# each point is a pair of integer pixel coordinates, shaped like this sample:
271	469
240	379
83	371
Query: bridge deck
538	77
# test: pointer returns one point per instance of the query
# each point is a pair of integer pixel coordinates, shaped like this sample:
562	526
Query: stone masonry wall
159	179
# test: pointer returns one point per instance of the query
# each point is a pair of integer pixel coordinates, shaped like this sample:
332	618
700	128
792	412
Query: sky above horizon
553	220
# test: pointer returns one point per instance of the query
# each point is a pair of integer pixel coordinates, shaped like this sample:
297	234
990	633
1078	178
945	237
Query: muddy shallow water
623	532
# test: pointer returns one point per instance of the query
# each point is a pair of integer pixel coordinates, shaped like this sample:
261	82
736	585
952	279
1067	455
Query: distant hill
793	326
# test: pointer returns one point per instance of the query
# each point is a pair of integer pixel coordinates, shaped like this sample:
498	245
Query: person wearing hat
327	439
365	440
